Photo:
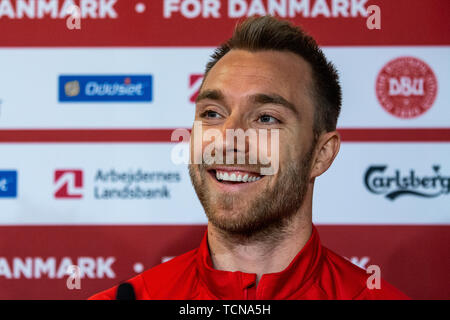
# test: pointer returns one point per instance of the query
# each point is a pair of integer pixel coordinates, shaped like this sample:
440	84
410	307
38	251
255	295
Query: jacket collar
294	280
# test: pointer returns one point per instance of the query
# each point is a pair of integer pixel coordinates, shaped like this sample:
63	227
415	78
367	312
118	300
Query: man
260	241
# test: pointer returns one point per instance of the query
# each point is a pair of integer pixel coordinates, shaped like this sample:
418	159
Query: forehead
241	73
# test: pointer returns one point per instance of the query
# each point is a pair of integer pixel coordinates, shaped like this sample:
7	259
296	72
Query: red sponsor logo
68	184
406	87
195	81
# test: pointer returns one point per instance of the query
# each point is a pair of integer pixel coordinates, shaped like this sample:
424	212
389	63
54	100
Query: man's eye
265	118
210	114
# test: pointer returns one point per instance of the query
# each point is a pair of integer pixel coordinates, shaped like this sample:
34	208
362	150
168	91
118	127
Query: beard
257	218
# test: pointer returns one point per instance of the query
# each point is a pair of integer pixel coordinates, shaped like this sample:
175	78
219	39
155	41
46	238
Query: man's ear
327	148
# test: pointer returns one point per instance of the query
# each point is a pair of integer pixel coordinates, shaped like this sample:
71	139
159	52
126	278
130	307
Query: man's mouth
234	175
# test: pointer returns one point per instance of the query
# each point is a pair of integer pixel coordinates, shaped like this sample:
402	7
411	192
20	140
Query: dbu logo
406	86
68	184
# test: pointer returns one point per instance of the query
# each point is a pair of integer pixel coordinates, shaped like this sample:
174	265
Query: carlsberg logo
410	183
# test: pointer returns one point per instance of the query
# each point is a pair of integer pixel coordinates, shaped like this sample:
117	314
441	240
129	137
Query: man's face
256	90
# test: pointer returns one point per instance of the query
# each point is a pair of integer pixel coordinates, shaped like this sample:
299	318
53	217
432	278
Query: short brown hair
269	33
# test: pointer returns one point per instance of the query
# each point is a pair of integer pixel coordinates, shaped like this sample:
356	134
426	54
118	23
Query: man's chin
241	228
229	214
228	219
231	228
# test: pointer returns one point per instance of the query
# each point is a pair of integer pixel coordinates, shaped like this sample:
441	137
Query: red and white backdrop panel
86	115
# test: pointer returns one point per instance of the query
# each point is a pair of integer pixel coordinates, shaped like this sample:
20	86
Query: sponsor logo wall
86	176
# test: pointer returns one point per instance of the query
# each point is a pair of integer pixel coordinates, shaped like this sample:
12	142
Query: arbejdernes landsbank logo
105	88
394	184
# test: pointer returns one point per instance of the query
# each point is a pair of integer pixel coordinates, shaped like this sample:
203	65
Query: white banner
30	80
138	184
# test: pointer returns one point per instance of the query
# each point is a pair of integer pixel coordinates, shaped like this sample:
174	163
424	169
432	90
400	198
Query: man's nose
234	122
230	130
236	143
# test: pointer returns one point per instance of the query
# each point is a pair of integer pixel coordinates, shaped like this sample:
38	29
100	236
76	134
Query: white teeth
225	176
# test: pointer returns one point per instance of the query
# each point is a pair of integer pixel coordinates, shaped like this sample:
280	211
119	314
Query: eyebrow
211	95
259	98
262	98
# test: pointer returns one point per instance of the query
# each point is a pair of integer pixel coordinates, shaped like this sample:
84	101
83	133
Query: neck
270	253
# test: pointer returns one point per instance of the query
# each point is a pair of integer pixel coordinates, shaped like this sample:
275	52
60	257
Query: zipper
250	292
248	282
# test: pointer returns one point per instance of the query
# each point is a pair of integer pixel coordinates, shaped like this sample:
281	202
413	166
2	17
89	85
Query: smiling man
260	242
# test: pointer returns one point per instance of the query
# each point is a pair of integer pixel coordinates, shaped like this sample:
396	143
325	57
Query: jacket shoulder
169	280
341	279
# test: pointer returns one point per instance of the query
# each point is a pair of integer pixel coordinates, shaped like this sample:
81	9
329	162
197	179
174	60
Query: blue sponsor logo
8	184
106	88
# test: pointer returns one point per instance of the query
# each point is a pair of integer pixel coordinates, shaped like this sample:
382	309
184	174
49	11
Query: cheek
292	150
267	145
195	148
286	155
300	139
195	173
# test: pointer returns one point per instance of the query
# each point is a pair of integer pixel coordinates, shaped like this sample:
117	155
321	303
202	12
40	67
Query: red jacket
315	273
